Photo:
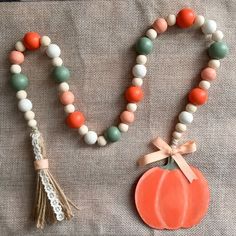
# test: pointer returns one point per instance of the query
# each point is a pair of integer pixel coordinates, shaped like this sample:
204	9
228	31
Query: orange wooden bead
127	117
134	94
16	57
31	40
185	18
75	119
67	98
198	96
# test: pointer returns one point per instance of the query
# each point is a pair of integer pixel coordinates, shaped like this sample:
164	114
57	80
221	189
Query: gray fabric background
96	38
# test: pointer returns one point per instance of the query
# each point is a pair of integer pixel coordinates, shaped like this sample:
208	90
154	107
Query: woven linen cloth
97	39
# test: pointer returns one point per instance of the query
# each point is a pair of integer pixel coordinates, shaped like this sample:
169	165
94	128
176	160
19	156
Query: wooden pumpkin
165	199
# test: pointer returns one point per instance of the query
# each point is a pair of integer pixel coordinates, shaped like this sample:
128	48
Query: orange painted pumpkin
166	200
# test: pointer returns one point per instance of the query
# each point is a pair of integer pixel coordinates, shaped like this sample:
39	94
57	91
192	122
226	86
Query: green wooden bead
60	74
218	50
19	82
113	134
144	46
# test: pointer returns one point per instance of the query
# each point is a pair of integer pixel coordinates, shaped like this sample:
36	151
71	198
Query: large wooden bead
134	94
144	46
185	18
113	134
60	74
198	96
218	50
75	119
19	82
31	40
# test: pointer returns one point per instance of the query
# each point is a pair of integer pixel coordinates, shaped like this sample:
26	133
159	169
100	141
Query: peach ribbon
175	153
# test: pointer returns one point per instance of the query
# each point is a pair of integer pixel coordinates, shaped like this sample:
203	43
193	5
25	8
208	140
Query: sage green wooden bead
218	50
19	82
60	74
113	134
144	46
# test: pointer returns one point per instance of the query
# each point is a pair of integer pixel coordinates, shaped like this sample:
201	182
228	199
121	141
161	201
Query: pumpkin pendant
165	199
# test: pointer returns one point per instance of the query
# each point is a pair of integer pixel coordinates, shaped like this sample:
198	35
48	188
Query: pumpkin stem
170	164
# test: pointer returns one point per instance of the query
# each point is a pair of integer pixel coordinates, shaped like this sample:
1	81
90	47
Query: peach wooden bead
67	98
127	117
160	25
16	57
208	74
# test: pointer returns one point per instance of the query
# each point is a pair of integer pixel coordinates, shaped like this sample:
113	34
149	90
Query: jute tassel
51	204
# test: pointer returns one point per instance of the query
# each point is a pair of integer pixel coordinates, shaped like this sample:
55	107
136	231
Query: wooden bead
209	27
139	71
176	135
127	117
113	134
60	74
32	123
63	87
102	141
69	108
185	18
218	50
45	41
217	36
214	63
15	69
53	51
144	46
204	84
57	61
171	20
19	82
29	115
19	46
21	94
208	74
185	117
198	96
90	137
16	57
191	108
131	107
160	25
141	59
123	127
134	94
83	130
199	21
67	98
137	82
75	119
180	127
31	40
25	105
151	34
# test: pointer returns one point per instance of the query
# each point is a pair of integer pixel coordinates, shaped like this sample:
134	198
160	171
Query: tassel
51	204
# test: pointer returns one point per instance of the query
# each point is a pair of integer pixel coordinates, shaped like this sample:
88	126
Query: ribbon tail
184	167
152	157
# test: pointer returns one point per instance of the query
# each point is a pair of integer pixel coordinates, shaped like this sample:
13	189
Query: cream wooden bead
57	61
131	107
141	59
180	127
69	108
102	141
21	94
90	137
209	27
123	127
176	135
217	36
63	87
29	115
32	123
83	130
191	108
25	105
199	21
53	51
139	71
19	46
137	82
15	69
204	84
151	34
214	63
174	142
45	41
171	20
186	117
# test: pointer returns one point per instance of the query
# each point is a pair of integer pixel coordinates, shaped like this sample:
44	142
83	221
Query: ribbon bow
175	153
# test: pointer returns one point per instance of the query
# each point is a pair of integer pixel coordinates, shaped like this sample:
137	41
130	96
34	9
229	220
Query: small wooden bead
102	141
180	127
29	115
70	108
185	18
67	98
160	25
83	130
209	27
32	40
16	57
57	61
63	87
217	36
53	51
141	59
127	117
199	21
174	142
204	84
139	71
152	34
32	123
191	108
137	82
19	46
15	69
123	127
131	107
208	74
198	96
176	135
21	94
186	117
45	41
214	63
134	94
171	20
75	119
25	105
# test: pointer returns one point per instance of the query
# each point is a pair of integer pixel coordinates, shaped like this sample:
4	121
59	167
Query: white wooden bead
174	142
151	34
171	20
186	117
102	141
199	21
57	61
45	41
137	82
21	94
176	135
29	115
209	27
19	46
69	108
141	59
139	71
131	107
90	137
204	84
191	108
123	127
83	130
217	36
63	87
53	51
180	127
15	69
25	105
32	123
214	63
